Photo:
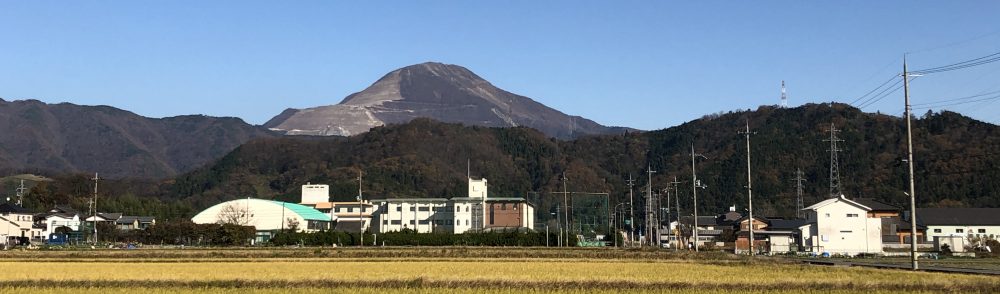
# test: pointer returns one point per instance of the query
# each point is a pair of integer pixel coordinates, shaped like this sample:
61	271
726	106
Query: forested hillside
65	138
956	161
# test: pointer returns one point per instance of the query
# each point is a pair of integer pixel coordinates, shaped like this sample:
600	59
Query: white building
16	225
58	217
265	215
315	194
349	216
947	223
476	212
841	226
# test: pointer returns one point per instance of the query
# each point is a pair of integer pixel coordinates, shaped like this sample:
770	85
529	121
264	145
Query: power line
881	95
959	103
960	65
955	99
895	76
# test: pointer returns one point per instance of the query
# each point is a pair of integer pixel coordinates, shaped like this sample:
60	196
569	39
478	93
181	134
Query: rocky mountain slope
443	92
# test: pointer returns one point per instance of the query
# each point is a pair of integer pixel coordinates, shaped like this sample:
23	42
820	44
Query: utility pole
96	178
677	205
747	134
650	201
799	204
909	161
20	193
566	210
695	184
361	218
631	210
834	162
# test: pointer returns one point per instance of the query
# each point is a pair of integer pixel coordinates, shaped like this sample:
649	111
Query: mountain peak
444	92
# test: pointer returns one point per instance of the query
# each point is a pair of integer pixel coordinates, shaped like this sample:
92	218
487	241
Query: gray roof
786	224
959	216
12	208
876	204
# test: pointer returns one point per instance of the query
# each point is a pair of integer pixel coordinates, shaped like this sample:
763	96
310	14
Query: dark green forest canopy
957	162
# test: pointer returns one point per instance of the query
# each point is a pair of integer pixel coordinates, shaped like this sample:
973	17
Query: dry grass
110	272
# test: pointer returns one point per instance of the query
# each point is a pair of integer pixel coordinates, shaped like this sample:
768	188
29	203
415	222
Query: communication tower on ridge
784	97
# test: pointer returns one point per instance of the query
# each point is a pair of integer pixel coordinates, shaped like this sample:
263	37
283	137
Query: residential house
965	224
60	216
841	226
130	222
16	225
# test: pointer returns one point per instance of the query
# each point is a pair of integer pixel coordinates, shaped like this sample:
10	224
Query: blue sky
637	64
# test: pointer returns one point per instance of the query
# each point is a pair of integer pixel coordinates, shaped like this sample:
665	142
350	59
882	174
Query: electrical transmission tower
784	97
799	205
834	162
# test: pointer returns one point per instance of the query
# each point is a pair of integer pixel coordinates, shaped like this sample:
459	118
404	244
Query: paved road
904	267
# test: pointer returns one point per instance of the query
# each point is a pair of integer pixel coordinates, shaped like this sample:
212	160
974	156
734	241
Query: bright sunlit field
349	271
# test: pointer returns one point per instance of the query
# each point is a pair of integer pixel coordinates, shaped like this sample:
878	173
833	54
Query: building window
959	230
846	232
466	222
450	222
350	209
411	222
385	222
425	208
827	215
982	231
466	209
852	215
412	208
396	222
937	230
399	208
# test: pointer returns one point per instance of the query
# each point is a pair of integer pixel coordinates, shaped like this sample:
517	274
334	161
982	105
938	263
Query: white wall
477	188
312	194
262	214
945	231
17	225
843	228
55	221
415	215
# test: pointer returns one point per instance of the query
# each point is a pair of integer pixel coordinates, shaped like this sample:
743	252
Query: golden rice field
295	272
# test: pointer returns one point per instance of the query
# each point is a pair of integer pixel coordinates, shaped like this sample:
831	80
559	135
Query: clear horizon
639	65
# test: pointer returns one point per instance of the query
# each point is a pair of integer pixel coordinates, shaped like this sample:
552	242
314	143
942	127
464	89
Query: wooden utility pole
749	187
909	161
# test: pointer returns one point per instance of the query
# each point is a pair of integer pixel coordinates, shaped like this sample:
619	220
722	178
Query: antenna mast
834	162
784	97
